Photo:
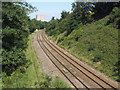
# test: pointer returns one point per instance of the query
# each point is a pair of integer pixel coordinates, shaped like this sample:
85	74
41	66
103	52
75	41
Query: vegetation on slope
93	38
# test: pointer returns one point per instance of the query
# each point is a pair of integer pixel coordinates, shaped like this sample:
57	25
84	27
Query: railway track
44	49
84	76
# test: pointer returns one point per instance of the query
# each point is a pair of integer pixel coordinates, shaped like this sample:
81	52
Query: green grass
95	43
30	55
58	83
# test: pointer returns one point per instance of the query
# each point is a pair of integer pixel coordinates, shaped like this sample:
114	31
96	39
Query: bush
76	34
114	18
53	83
16	80
91	47
58	83
98	57
12	60
61	37
47	82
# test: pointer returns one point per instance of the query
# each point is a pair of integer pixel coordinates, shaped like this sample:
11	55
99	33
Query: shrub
91	47
12	60
61	37
47	82
76	34
58	83
98	57
16	80
114	18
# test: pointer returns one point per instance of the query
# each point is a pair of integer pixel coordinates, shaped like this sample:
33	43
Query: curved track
87	78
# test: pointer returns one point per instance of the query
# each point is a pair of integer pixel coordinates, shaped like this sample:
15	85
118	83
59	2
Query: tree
102	9
14	34
53	18
34	24
80	10
64	14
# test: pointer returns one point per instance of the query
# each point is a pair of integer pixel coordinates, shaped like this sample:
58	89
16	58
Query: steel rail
55	63
65	67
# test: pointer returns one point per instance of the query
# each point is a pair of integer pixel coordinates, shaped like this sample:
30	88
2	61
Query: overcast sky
50	9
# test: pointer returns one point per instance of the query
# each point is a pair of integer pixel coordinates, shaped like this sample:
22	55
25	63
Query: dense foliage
34	24
102	9
14	35
16	27
81	14
90	32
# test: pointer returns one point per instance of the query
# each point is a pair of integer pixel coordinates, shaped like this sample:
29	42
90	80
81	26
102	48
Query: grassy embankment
27	78
95	43
31	73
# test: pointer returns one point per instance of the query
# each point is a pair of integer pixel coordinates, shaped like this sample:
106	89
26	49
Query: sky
50	9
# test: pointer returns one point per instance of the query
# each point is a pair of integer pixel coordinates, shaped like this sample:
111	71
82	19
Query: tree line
16	27
82	14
